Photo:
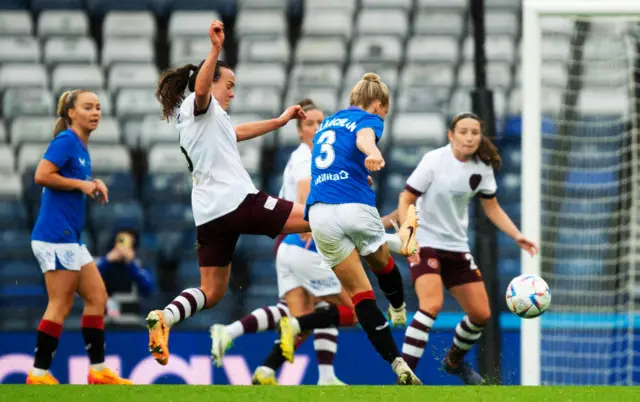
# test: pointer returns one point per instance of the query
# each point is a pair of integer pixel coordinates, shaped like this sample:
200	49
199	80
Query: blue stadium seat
274	185
16	244
41	5
188	244
508	187
509	267
282	157
258	246
122	187
262	268
148	249
174	217
507	248
13	4
105	217
170	244
26	269
163	188
87	240
404	158
23	296
32	191
13	215
188	274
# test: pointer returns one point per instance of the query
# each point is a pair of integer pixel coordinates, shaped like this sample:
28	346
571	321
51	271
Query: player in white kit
443	184
224	199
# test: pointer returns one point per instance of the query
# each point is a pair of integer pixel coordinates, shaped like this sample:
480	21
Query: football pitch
182	393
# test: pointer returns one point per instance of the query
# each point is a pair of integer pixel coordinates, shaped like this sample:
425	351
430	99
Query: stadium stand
282	51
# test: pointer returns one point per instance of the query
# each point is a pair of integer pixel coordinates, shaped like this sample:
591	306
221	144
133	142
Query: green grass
190	393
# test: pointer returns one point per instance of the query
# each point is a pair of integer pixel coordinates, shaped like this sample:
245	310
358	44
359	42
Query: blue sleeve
103	265
60	150
373	122
142	277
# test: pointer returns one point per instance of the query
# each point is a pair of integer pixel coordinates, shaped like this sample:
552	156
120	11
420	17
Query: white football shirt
220	182
445	187
298	168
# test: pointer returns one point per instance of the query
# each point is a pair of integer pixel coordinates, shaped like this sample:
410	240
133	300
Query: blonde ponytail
369	89
66	102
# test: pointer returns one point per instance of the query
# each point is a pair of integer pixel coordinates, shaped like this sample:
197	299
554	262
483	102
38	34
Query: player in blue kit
67	265
345	223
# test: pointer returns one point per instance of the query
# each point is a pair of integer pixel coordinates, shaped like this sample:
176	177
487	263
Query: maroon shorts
256	215
455	268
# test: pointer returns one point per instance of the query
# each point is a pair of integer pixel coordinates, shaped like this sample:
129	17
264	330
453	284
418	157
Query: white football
528	296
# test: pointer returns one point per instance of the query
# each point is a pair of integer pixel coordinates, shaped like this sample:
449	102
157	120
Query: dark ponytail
306	104
174	81
487	151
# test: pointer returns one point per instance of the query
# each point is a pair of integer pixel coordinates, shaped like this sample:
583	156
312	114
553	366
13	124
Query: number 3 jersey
338	174
209	144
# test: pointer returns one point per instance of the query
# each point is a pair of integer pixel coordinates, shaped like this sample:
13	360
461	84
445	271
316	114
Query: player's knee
58	309
213	295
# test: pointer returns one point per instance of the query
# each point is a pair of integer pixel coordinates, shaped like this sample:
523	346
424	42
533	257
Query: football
528	296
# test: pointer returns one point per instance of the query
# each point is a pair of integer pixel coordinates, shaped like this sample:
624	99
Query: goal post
613	351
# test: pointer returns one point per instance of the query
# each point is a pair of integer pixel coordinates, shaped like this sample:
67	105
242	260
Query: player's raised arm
205	74
247	131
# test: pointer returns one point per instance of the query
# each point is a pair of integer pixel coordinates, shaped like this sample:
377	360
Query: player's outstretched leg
467	333
159	322
390	283
262	319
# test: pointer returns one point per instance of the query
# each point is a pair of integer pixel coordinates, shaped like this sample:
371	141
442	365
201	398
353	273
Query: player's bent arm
47	175
496	214
366	141
247	131
205	79
406	198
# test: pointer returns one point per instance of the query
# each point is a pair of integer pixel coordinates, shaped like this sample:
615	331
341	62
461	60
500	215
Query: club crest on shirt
433	263
474	181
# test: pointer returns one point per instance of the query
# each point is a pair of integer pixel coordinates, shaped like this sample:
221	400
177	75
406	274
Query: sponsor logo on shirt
331	177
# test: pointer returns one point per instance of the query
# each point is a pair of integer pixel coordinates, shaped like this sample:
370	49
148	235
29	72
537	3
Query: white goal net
589	199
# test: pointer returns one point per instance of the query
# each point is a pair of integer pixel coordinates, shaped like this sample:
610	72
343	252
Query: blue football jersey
62	213
295	240
338	174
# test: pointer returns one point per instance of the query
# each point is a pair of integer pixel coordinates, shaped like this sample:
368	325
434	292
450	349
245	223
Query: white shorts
340	228
298	267
52	256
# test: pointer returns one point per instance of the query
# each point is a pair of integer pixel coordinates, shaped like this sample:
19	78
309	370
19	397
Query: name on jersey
331	177
336	122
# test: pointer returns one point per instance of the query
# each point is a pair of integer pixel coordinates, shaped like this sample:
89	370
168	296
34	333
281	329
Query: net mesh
589	199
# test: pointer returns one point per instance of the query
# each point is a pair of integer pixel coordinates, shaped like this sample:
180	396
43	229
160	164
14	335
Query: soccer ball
528	296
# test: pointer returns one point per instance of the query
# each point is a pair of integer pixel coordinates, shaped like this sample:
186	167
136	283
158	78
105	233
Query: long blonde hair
66	102
368	90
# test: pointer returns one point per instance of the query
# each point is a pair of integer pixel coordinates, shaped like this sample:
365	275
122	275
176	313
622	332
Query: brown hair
368	90
306	104
66	102
487	152
174	81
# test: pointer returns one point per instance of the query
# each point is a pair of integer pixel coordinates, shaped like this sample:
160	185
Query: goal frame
532	11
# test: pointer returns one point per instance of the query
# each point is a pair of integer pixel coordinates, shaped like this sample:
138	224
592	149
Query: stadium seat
254	50
509	187
221	7
191	23
129	24
502	22
154	130
164	158
264	100
15	22
427	75
260	23
318	50
432	49
557	25
403	158
16	244
3	132
127	75
387	4
288	135
554	48
127	50
187	50
7	161
382	22
328	76
423	99
498	75
261	75
10	186
551	100
65	77
169	217
32	129
27	102
377	49
108	132
17	75
328	23
13	215
355	71
136	103
43	6
70	50
100	7
437	4
105	103
63	23
167	187
170	244
30	155
110	159
109	215
430	128
325	98
439	23
19	49
323	5
262	4
498	48
250	155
